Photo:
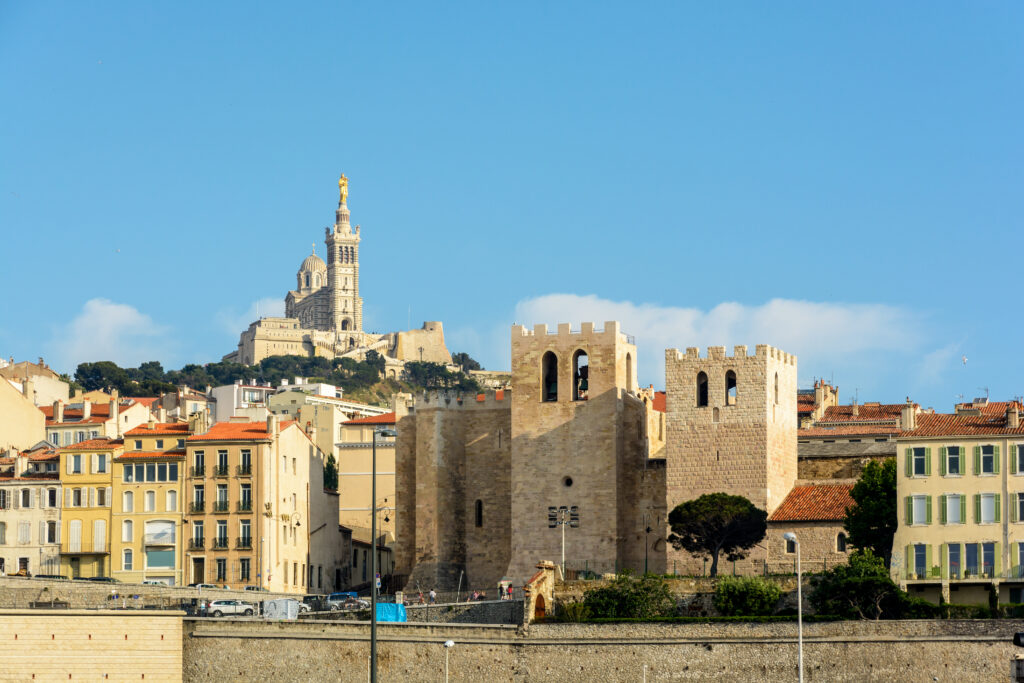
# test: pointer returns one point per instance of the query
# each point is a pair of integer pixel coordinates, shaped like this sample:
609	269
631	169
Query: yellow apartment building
86	471
147	524
253	489
960	488
355	455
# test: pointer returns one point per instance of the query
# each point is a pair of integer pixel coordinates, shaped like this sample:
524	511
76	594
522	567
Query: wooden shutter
928	557
910	462
92	496
943	563
942	509
995	459
928	461
977	508
1011	454
1013	508
928	510
942	461
67	461
110	492
997	559
963	512
977	460
997	506
908	506
67	498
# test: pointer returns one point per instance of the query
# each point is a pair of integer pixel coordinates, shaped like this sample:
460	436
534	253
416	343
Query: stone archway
539	608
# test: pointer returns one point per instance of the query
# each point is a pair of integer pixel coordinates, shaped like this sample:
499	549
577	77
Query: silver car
218	608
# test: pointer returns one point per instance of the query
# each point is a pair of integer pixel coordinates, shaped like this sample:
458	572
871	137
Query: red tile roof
160	429
31	475
988	423
660	401
147	401
238	431
93	420
385	419
100	444
814	503
866	412
174	454
48	454
847	430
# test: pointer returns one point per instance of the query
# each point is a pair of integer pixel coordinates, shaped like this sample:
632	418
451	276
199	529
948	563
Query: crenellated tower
345	306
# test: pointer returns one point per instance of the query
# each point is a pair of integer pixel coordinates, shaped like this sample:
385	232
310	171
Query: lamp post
448	645
791	537
563	516
383	431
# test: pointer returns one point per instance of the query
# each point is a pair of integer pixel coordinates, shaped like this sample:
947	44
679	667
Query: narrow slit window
479	513
549	366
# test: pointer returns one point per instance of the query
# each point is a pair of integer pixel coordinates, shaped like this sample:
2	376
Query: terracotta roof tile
814	503
102	443
866	412
385	419
147	401
941	424
174	454
847	430
41	456
93	420
660	402
160	429
238	431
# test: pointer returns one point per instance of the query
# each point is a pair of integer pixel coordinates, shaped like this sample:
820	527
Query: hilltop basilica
324	313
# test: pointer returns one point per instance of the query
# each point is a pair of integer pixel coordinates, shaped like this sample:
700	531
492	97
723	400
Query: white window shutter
68	461
92	496
67	498
17	499
32	498
42	533
58	533
110	493
41	498
95	464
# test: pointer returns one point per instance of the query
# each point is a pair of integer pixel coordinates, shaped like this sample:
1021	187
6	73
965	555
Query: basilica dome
312	264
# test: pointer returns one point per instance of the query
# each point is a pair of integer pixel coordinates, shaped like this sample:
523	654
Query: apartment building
68	424
30	503
355	467
146	536
960	486
86	472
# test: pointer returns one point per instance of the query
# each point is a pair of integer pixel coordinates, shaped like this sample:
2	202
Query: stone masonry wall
908	651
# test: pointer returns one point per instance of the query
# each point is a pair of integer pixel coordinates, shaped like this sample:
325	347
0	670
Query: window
222	461
1018	451
197	534
161	471
971	560
101	463
51	498
181	442
126	560
172	471
776	388
988	558
953	460
150	471
140	472
127	533
702	389
549	377
841	542
953	551
150	501
5	499
101	497
246	467
222	495
26	498
128	504
920	456
355	558
988	460
245	504
479	513
730	388
199	463
76	464
953	509
580	376
76	498
921	560
243	569
51	532
245	532
159	443
222	569
1020	507
222	533
790	547
319	576
172	501
138	445
99	536
987	509
920	510
3	533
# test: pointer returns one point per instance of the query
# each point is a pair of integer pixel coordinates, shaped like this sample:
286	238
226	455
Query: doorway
198	570
76	567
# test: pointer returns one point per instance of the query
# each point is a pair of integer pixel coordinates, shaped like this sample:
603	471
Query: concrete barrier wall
843	651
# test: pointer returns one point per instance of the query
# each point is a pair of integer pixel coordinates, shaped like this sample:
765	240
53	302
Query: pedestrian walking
433	596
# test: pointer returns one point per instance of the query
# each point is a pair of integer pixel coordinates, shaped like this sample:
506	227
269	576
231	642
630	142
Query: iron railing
197	506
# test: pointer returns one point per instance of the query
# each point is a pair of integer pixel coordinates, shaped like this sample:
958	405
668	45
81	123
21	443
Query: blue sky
842	181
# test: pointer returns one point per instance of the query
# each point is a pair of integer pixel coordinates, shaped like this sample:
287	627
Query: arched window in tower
730	388
316	279
479	513
549	377
307	280
344	324
580	375
702	389
776	388
629	372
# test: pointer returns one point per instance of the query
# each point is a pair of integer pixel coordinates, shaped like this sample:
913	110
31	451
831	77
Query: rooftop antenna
985	389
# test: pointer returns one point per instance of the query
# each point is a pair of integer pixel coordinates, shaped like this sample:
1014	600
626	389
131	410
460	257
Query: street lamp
383	431
448	645
564	516
791	537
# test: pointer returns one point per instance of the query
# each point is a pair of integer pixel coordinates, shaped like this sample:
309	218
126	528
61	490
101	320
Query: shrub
861	589
629	596
739	596
572	612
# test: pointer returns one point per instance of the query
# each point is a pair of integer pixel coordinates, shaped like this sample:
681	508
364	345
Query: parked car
304	607
201	585
102	579
52	577
345	601
218	608
153	582
255	588
315	602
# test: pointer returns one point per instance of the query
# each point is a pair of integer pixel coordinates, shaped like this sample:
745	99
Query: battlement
611	331
717	353
486	400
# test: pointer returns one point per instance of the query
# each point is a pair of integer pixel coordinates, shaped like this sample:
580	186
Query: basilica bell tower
345	307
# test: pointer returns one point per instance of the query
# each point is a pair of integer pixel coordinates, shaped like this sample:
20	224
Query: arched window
479	513
307	279
127	532
150	501
714	415
629	372
344	324
172	501
126	560
730	388
702	389
316	279
580	375
776	388
841	542
549	377
129	502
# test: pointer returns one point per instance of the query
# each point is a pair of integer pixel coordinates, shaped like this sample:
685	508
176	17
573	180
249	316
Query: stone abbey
324	313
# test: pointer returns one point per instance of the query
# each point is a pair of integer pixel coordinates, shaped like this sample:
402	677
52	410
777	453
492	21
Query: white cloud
106	330
822	335
235	323
935	364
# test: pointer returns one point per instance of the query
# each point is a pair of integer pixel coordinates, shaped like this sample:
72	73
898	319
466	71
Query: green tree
746	596
871	521
631	597
862	589
101	375
375	360
465	361
717	523
331	473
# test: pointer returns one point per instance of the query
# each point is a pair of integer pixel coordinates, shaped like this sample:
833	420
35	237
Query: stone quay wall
479	612
907	651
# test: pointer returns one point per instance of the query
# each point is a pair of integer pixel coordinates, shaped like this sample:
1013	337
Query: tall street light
383	431
791	537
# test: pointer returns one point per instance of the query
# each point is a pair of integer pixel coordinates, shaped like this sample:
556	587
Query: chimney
1012	416
151	422
272	426
86	409
115	415
908	416
197	422
58	411
161	414
856	408
28	389
20	463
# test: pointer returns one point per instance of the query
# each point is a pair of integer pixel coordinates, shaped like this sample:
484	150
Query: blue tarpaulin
389	611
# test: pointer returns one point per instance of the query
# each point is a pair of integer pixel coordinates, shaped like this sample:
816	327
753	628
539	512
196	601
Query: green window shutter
909	556
942	461
943	554
977	459
942	509
928	560
908	507
977	508
1013	508
963	509
1012	456
910	462
928	510
928	461
997	506
997	557
995	459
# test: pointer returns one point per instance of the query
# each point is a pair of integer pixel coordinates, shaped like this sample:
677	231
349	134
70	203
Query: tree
375	360
746	596
717	523
103	375
631	597
871	521
331	473
862	589
466	362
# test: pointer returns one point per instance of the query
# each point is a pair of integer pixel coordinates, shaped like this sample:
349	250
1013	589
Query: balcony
197	506
220	543
199	470
244	543
220	470
245	506
221	506
244	470
196	543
